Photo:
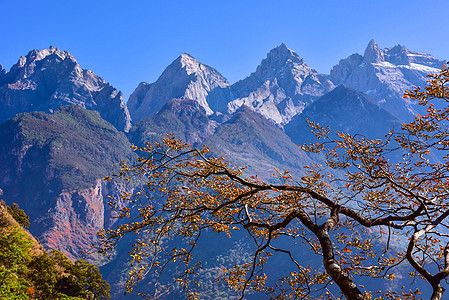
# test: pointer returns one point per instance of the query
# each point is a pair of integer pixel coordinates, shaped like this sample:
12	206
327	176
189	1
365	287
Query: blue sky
127	42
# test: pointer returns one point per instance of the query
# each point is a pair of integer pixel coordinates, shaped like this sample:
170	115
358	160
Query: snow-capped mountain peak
384	74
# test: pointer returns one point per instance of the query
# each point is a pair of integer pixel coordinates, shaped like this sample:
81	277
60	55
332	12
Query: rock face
345	110
77	217
384	75
51	165
281	87
47	79
184	78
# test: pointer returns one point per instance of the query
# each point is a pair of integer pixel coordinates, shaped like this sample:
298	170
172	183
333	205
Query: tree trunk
347	286
438	291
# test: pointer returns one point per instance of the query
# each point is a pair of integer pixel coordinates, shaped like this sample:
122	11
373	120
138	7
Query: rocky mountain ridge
344	110
384	75
47	79
184	78
283	85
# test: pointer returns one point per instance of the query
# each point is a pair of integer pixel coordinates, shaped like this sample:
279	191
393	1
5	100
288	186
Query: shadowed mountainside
52	166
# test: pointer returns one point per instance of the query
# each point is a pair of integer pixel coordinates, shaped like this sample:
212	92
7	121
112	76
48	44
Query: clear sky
127	42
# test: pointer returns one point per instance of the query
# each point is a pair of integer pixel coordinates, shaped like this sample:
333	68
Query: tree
43	274
14	257
19	215
81	279
359	198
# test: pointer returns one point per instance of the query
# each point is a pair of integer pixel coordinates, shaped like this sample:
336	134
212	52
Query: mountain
345	110
52	163
52	166
384	74
250	139
281	87
47	79
283	84
247	138
185	118
183	78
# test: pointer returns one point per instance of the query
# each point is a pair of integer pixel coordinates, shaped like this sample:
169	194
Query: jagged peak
186	59
283	53
398	47
373	53
191	66
278	61
283	47
188	62
187	56
36	55
373	43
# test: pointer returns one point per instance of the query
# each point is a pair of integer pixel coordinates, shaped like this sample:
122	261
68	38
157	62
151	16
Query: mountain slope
185	118
47	79
250	139
281	87
52	165
247	138
345	110
183	78
384	75
30	272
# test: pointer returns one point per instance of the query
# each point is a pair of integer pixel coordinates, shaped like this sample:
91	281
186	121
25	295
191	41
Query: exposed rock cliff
76	218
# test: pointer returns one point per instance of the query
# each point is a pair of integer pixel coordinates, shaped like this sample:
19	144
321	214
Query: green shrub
19	215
